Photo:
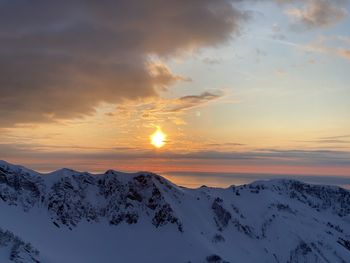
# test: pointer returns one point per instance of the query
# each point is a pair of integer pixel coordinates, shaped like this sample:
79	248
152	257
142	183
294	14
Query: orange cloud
318	13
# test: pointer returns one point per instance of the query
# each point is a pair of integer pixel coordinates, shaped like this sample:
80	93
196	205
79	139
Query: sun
158	138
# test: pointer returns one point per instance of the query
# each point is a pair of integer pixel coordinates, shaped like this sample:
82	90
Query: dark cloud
193	101
46	153
59	59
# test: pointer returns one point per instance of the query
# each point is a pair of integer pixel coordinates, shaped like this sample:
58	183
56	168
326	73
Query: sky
240	87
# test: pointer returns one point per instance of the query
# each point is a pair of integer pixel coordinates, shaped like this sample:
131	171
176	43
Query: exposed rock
19	251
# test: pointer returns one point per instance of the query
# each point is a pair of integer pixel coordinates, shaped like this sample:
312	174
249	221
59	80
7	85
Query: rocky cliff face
267	221
17	250
71	197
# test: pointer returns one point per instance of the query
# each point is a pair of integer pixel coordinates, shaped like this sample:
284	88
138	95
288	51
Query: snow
266	221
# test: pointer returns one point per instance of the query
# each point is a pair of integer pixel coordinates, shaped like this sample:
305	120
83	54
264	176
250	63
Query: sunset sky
238	86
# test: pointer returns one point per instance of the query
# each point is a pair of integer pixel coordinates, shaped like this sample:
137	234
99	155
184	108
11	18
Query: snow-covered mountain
73	217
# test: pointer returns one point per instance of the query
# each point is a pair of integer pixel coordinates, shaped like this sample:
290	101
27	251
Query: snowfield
73	217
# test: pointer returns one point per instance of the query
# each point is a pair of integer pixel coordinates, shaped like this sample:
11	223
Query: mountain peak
280	220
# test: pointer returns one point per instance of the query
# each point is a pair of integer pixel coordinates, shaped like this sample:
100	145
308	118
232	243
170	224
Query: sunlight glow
158	138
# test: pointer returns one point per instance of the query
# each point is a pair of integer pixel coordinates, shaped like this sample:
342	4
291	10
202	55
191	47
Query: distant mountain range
73	217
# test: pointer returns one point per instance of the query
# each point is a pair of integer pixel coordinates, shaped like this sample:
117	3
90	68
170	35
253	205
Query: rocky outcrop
73	196
279	220
16	249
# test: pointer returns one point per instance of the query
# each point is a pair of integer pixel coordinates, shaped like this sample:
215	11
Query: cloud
212	61
60	59
231	159
343	39
345	53
328	46
193	101
331	140
346	136
318	13
296	157
200	168
158	110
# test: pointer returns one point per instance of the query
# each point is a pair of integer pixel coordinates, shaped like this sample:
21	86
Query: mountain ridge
280	220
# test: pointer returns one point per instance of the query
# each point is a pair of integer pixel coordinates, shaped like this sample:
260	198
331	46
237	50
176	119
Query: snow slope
68	216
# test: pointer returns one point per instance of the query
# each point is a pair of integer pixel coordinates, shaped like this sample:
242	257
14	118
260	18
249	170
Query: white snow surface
72	217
